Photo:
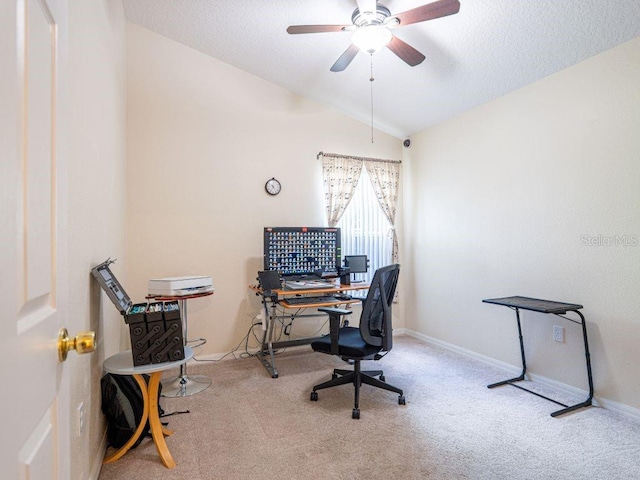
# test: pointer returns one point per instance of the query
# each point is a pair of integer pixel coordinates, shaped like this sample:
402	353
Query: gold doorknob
84	342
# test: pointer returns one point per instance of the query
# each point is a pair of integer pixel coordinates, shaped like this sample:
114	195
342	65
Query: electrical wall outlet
80	419
558	334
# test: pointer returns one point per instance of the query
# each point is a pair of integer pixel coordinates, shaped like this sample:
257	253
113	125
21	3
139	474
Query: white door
34	398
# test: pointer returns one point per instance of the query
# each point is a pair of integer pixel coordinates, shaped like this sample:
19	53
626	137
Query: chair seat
350	344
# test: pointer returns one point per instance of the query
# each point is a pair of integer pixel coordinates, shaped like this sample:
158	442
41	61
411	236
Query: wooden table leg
145	415
149	412
157	430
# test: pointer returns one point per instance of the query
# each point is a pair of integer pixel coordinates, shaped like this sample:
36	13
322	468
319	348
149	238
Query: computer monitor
356	264
302	251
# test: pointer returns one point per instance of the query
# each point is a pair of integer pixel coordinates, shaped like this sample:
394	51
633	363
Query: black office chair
367	342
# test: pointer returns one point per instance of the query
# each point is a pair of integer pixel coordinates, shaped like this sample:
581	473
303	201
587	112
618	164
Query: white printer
175	286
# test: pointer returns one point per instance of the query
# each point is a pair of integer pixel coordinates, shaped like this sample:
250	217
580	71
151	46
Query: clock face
272	186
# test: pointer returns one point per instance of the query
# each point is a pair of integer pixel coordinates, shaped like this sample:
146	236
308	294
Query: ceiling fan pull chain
371	79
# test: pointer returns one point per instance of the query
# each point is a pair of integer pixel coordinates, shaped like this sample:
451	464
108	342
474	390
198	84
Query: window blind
365	229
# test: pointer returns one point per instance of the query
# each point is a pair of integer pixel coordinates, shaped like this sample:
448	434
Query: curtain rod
365	159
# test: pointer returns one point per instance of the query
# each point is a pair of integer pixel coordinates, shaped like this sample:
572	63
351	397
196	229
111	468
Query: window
365	229
362	202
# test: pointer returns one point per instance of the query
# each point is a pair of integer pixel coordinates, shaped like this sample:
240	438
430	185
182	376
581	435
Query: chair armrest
334	324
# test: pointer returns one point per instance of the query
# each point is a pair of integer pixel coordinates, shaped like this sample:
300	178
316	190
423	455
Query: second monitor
356	264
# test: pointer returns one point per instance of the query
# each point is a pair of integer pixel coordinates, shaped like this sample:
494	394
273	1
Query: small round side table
122	364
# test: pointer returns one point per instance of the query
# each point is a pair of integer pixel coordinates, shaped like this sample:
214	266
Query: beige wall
202	139
499	200
96	207
503	200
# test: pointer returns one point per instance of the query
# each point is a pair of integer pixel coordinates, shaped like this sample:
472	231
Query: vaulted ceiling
488	49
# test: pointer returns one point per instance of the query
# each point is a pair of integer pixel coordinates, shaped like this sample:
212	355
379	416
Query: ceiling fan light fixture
371	38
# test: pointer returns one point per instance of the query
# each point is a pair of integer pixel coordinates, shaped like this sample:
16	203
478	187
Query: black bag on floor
122	405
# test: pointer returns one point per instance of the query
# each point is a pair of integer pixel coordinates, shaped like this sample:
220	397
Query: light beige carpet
250	426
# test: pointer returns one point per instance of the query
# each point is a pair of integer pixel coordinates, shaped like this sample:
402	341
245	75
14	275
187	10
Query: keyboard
306	285
301	301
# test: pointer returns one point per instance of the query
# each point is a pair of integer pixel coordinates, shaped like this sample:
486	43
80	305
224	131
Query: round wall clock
272	186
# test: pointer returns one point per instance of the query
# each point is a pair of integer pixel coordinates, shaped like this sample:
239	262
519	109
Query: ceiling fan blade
406	52
295	29
345	59
438	9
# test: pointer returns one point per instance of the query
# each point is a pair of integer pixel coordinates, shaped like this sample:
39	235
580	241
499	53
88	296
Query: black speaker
345	275
407	143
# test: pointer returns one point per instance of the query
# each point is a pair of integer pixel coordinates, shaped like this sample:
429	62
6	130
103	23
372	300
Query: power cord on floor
245	340
284	330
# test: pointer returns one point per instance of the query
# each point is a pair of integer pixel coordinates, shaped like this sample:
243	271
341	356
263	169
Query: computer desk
271	300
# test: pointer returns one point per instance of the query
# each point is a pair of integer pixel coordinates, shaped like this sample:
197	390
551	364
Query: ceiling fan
371	27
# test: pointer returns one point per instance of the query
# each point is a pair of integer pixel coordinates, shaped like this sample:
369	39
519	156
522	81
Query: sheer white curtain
341	177
365	229
385	179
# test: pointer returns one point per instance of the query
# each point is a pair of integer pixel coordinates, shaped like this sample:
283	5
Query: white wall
96	207
502	201
202	139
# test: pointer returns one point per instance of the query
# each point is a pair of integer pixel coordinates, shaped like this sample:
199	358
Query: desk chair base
357	377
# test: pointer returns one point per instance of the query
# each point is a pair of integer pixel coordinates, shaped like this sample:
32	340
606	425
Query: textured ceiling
488	49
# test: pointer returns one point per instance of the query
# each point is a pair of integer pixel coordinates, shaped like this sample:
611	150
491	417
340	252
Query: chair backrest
375	321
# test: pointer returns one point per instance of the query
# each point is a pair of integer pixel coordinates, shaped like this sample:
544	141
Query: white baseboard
617	407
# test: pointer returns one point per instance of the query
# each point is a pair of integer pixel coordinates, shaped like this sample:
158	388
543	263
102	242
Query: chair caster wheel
314	396
356	413
401	400
382	378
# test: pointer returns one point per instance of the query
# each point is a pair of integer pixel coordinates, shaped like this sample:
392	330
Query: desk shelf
266	354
